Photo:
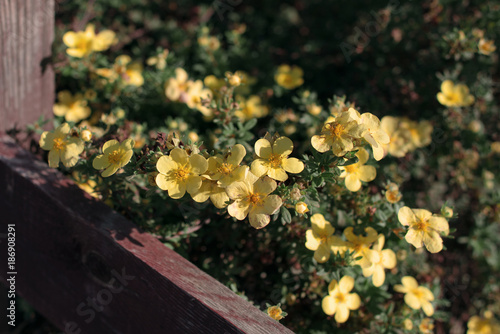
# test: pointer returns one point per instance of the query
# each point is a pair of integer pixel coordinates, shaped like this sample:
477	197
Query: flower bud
86	135
301	208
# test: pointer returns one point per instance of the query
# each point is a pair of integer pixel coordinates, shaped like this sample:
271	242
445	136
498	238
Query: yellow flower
360	245
408	324
86	135
338	134
213	83
179	173
160	60
276	312
392	194
273	159
420	133
426	326
87	185
210	189
246	82
374	134
423	228
73	107
129	73
313	109
447	212
175	87
486	47
319	237
387	260
251	197
61	147
416	296
452	95
250	108
358	172
82	43
115	156
289	77
483	325
226	169
301	208
194	95
339	300
399	143
234	79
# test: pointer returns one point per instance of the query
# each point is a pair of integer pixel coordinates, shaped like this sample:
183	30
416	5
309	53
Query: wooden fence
79	263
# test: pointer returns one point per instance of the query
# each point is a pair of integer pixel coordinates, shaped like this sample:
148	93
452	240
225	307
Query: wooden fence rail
79	263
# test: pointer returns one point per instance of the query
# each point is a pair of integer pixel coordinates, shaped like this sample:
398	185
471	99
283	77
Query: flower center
418	294
340	297
421	225
115	157
59	144
225	168
335	130
351	168
182	173
275	160
254	199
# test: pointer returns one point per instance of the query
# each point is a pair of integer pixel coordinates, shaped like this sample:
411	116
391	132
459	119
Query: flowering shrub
372	210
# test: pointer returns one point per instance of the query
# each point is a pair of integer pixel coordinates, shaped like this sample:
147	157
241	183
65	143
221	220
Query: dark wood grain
69	245
26	77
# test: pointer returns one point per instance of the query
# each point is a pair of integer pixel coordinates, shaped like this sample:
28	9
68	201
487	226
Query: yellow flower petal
412	301
406	216
264	186
312	242
283	146
193	184
259	167
322	253
353	301
237	154
166	164
342	313
320	143
180	156
199	164
367	173
54	157
263	148
293	165
433	241
258	220
414	237
329	305
346	284
409	282
428	309
352	182
278	174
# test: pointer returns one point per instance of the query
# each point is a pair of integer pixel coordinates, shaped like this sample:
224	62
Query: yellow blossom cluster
289	77
128	72
222	179
180	88
345	132
321	239
405	135
82	43
487	324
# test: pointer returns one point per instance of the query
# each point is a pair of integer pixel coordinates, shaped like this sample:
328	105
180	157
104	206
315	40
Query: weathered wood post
79	263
